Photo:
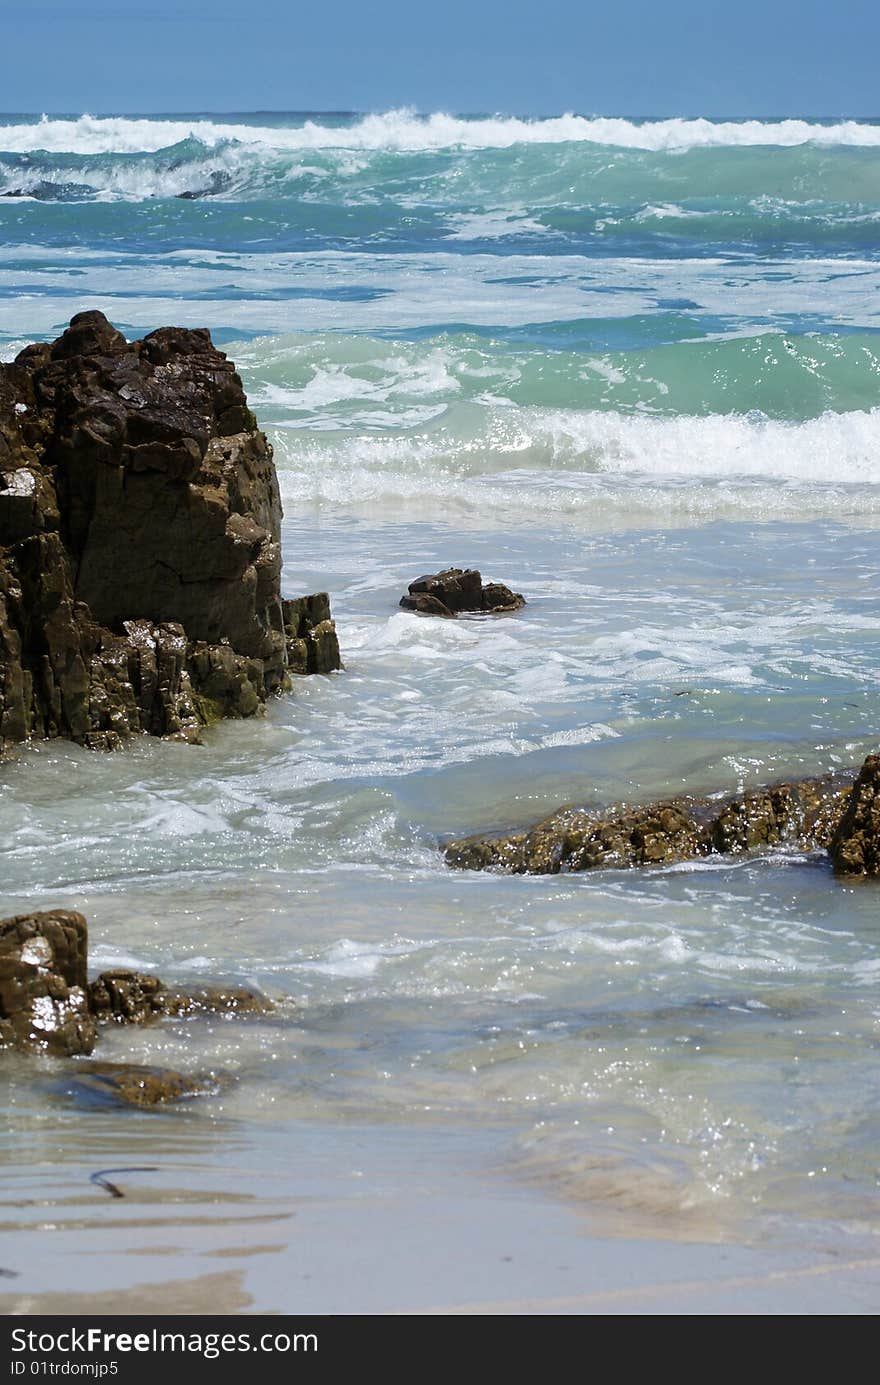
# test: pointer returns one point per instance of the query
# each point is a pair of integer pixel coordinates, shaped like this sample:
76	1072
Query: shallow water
673	454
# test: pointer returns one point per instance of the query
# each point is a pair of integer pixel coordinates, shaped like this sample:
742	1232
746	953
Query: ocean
631	369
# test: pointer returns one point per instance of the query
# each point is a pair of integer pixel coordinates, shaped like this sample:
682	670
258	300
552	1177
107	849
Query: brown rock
855	845
139	542
46	1002
459	589
311	635
43	997
575	839
803	814
497	598
426	604
131	1084
130	997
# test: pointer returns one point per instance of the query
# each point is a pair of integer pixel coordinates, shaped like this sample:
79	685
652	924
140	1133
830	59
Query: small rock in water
131	1084
132	997
459	589
47	1003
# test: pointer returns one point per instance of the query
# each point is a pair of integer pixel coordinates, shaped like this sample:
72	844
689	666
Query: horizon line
99	114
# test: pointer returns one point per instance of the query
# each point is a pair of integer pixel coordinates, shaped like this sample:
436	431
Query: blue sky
617	57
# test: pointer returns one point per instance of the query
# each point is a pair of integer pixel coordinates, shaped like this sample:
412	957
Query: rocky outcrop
855	845
139	543
459	589
48	1004
803	814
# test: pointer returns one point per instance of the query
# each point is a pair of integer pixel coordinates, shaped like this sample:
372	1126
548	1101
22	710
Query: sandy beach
403	1225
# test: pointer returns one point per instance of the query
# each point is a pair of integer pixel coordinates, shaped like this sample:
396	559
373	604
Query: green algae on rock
140	555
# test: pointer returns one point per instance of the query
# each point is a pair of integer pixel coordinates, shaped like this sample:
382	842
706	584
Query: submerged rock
459	589
133	1084
855	846
139	542
803	814
43	990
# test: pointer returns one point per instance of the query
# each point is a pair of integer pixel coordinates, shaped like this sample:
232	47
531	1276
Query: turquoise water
630	368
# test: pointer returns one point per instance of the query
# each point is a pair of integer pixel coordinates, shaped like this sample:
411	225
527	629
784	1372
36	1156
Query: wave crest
518	466
407	131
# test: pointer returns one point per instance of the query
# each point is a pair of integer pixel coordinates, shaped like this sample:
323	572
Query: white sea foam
568	463
667	211
493	225
838	447
412	290
405	130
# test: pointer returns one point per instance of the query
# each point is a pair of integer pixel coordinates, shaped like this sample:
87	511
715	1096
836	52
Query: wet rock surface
130	997
459	589
312	644
133	1084
43	990
139	543
47	1003
855	845
804	814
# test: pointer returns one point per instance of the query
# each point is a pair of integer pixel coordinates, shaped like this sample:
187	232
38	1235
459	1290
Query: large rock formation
804	814
139	542
855	846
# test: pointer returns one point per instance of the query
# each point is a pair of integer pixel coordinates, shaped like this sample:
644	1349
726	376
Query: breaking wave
406	130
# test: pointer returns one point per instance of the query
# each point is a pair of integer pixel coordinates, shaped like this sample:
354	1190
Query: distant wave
406	131
340	381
